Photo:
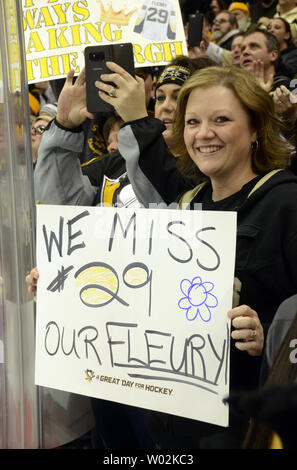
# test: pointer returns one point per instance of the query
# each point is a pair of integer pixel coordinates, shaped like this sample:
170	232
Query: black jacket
108	174
267	220
288	62
266	249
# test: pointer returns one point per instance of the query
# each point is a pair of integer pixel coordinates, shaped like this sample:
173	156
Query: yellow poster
57	32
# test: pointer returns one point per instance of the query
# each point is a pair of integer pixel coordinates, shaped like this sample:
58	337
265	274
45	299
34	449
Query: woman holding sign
60	179
227	132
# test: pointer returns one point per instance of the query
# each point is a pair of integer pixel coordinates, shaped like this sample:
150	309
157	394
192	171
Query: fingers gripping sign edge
248	332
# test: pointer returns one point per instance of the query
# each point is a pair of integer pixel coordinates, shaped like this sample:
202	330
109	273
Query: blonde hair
44	117
272	151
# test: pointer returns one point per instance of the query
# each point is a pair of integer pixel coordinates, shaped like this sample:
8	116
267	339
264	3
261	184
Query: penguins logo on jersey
109	190
118	192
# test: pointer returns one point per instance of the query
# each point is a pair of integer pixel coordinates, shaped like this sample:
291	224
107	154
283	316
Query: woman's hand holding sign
248	331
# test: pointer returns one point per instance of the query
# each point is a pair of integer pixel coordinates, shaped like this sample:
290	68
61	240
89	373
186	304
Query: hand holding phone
96	58
128	92
195	30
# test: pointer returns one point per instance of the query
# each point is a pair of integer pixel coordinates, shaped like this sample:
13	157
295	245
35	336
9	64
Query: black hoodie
266	261
266	252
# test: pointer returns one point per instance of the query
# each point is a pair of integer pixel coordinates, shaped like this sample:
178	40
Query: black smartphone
195	29
95	65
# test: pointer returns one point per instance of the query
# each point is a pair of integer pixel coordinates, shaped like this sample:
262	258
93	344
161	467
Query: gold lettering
111	35
13	53
28	19
177	49
44	17
76	40
30	73
157	57
55	41
54	63
44	71
95	33
80	11
66	62
16	82
12	26
138	54
28	3
70	63
157	52
60	13
50	67
34	42
167	51
9	10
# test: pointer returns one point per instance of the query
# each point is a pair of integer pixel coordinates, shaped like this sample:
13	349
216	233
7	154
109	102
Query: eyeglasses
221	21
38	130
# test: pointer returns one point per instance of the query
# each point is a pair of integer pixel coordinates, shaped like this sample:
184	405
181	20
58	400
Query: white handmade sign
132	305
57	32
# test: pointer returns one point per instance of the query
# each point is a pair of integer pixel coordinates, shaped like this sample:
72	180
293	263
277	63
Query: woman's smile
209	149
218	134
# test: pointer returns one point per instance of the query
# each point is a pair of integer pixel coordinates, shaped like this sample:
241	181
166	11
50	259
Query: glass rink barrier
30	417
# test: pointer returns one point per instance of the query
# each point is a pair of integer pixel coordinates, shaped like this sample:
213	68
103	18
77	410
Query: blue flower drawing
198	299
